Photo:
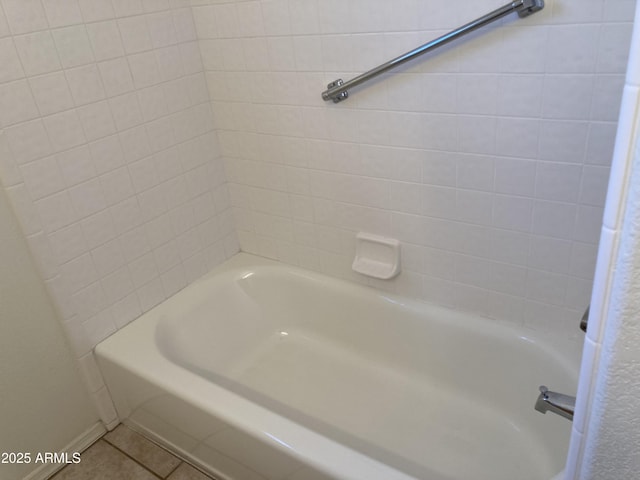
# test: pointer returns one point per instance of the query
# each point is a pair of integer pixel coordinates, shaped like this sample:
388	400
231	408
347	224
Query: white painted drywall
43	404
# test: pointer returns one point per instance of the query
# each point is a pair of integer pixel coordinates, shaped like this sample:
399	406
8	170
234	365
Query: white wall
606	428
108	154
43	404
489	160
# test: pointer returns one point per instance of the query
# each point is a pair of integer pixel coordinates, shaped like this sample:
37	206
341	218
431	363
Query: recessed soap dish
376	256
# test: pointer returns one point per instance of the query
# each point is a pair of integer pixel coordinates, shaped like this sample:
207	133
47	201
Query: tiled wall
489	160
108	153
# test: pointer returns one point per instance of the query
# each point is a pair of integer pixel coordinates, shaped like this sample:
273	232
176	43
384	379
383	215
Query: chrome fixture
337	91
563	405
585	319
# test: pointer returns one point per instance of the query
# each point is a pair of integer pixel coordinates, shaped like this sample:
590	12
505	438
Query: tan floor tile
144	451
187	472
103	462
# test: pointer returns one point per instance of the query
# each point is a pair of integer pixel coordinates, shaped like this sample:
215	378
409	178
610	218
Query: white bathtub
266	371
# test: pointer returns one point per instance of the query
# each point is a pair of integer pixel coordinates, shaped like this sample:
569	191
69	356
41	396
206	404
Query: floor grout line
129	456
176	468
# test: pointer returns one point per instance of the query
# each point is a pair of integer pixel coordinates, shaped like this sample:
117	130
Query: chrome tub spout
563	405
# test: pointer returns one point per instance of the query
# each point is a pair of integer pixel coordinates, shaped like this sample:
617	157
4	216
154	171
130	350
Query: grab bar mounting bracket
530	7
340	96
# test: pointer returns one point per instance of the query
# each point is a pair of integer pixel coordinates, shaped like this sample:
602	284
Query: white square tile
564	96
554	219
474	207
143	174
559	182
73	46
135	34
90	300
152	102
56	211
76	165
88	198
572	48
161	29
64	130
509	247
169	63
515	59
16	103
98	229
173	280
475	172
600	143
477	94
516	137
477	134
151	294
143	270
126	310
160	134
96	329
588	224
43	177
61	13
126	111
135	144
51	93
606	97
38	53
68	243
97	121
108	257
28	141
583	260
11	65
520	95
96	10
595	182
512	213
550	254
105	40
80	273
116	76
107	154
134	244
546	287
144	69
613	48
184	25
116	185
158	5
191	59
563	141
125	8
85	84
514	176
25	16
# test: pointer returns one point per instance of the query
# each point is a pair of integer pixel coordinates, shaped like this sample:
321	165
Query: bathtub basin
266	371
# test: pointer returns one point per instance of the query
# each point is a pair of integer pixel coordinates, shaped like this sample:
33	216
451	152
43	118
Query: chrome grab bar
338	90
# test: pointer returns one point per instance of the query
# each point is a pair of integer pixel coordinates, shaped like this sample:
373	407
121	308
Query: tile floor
126	455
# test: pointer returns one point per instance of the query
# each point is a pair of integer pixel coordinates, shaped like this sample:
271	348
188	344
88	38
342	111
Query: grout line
130	457
176	468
